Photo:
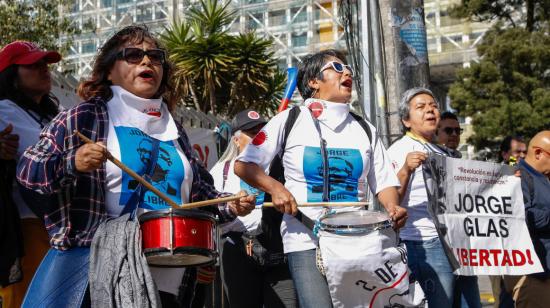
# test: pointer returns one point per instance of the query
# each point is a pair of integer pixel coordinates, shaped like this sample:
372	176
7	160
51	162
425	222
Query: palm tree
198	48
256	82
219	72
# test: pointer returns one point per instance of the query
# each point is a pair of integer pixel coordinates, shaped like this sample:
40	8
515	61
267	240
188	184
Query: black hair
448	115
310	69
506	144
46	109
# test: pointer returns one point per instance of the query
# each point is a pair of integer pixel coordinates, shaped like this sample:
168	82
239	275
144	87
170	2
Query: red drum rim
349	228
177	213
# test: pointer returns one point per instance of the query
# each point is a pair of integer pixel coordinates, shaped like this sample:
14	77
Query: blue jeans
467	292
429	264
311	286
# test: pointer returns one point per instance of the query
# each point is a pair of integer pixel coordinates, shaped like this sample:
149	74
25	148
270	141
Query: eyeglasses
450	130
543	150
337	66
135	55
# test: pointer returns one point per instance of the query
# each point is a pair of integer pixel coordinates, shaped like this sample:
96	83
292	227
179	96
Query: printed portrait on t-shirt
345	168
253	190
136	149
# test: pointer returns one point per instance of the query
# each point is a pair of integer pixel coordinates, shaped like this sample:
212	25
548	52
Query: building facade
297	27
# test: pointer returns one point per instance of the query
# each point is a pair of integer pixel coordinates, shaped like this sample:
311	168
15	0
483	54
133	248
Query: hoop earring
313	94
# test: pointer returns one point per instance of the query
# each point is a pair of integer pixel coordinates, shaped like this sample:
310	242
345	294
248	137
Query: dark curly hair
98	85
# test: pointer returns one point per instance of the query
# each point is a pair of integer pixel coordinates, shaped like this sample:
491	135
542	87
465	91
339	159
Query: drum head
181	257
353	222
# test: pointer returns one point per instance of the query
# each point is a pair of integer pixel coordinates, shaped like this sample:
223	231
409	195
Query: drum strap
137	196
310	224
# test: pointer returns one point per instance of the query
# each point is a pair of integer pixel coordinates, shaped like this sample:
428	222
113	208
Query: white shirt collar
126	108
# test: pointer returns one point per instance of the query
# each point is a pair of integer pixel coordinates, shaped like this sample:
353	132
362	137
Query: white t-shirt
353	163
130	136
28	128
419	226
233	185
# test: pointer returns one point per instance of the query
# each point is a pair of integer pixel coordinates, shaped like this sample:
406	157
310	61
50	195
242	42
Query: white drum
363	263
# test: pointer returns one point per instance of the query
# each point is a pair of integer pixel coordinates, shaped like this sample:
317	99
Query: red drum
178	238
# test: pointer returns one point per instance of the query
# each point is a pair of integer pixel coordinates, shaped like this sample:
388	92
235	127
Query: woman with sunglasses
325	82
420	116
126	111
26	106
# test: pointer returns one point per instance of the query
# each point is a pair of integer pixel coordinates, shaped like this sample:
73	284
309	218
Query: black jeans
248	284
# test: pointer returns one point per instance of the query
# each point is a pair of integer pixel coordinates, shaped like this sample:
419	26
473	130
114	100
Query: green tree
218	72
41	22
508	91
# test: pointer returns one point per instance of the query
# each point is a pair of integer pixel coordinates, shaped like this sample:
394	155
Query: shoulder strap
225	172
292	116
364	125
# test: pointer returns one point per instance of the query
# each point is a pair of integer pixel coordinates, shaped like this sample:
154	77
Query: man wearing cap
268	280
26	106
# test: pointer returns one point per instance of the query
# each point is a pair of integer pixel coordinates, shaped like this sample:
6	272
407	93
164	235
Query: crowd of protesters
62	201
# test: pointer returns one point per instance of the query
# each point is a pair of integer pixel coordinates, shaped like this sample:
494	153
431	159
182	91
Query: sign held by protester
479	211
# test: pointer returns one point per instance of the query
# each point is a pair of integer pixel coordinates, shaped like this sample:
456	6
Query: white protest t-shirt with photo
134	124
419	225
28	125
233	185
353	162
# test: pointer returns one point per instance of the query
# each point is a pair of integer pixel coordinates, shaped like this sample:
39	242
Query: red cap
21	52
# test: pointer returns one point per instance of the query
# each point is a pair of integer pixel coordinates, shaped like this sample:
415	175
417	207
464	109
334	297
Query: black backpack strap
270	225
364	125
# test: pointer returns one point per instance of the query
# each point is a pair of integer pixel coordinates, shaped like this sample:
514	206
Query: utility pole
405	45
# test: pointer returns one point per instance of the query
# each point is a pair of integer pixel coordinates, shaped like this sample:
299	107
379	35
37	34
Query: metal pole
378	69
406	52
364	55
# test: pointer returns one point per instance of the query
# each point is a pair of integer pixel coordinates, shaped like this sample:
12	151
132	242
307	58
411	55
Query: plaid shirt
49	168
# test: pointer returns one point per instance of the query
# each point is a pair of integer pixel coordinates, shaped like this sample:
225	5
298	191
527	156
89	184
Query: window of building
299	40
256	22
89	47
106	3
277	18
144	13
301	16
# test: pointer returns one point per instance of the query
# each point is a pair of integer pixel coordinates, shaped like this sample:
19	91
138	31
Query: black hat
246	119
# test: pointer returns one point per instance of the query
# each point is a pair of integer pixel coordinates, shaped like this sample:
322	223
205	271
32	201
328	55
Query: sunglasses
337	66
450	130
135	55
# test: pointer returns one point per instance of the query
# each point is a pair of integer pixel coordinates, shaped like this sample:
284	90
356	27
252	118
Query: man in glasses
533	290
449	130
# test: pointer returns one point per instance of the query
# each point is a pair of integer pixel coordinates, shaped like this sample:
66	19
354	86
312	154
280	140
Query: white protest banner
480	214
203	142
368	270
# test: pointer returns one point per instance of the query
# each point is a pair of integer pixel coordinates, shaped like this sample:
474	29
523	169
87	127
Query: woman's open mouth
147	75
348	83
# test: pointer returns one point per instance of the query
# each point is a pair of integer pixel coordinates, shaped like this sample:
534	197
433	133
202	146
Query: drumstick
330	204
140	179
